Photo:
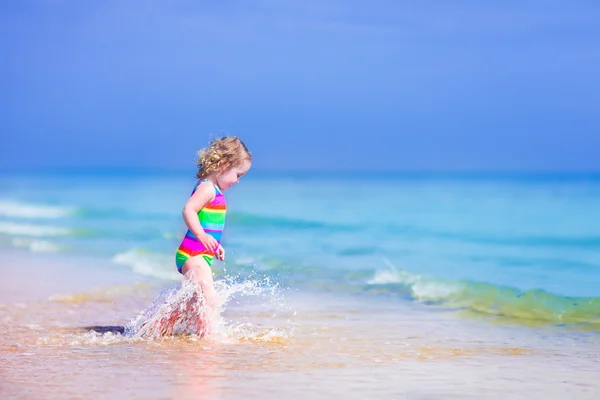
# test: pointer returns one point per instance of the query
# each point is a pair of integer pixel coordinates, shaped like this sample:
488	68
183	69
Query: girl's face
232	176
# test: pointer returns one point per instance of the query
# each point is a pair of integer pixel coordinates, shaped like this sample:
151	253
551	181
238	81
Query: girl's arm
205	193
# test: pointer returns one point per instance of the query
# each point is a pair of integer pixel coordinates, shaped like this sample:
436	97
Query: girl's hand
208	242
220	254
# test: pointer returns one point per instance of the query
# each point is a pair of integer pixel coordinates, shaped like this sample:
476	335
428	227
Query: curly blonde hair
220	155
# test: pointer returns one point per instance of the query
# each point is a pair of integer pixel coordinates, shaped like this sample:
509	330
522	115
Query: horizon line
399	171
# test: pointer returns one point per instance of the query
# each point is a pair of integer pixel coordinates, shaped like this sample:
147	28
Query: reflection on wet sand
197	373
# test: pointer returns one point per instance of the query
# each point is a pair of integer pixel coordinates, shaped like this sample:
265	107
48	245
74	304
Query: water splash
174	312
184	311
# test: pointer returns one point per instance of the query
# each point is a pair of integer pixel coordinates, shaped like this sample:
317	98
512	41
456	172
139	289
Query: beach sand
310	348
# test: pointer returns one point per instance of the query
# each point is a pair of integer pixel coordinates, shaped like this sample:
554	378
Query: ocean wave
149	263
16	209
32	230
486	298
19	210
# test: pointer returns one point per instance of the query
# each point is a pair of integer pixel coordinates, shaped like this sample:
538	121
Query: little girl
220	166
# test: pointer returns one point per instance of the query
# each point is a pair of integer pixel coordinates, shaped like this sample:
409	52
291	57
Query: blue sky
336	85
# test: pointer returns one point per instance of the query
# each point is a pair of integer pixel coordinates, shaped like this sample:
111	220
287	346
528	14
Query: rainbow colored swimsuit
212	220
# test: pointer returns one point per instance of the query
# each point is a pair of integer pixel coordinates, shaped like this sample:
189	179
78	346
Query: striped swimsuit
212	220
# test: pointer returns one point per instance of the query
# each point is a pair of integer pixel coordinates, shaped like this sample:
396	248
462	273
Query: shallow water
333	345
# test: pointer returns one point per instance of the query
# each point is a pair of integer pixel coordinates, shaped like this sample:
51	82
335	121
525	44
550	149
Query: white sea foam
33	230
431	290
16	209
149	263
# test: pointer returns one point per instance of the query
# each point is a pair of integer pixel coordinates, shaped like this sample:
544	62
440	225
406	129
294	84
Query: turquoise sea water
517	247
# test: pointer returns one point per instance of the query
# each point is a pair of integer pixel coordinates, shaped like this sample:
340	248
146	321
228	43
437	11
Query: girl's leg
197	268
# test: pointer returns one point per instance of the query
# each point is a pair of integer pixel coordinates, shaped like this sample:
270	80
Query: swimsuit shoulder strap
217	191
